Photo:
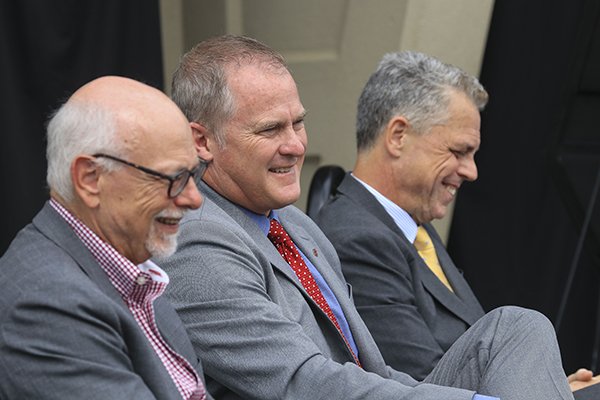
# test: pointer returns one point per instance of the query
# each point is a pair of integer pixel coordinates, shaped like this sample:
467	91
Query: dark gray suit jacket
263	336
65	332
413	317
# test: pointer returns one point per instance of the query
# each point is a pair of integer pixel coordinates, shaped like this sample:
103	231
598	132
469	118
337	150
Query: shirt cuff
482	397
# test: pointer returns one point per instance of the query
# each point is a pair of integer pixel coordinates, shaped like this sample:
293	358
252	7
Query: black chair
322	186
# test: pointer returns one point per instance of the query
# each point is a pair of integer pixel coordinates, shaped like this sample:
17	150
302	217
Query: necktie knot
422	240
282	241
276	232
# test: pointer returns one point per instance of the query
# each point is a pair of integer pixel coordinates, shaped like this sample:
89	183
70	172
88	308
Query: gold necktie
424	246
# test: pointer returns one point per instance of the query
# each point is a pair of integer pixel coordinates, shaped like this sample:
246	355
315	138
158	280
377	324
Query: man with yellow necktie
417	134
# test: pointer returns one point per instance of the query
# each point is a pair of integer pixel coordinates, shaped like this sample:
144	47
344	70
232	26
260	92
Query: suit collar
302	239
366	201
56	229
307	244
462	302
253	229
401	218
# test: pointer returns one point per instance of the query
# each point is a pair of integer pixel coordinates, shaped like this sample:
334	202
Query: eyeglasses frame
196	171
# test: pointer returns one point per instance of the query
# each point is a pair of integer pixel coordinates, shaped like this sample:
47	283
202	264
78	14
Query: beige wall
332	46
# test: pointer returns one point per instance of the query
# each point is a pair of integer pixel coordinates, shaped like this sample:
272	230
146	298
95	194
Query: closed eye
268	129
299	124
464	151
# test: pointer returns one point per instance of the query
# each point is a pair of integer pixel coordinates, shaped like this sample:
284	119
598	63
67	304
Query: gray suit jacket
263	336
65	332
413	317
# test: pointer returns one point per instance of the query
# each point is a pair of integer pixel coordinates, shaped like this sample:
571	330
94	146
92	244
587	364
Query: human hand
582	378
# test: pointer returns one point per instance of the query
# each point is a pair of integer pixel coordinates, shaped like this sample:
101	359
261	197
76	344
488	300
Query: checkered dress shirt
139	286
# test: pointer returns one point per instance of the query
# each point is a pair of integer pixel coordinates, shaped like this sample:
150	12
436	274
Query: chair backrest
322	186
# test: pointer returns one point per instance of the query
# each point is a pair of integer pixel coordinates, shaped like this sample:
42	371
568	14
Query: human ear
85	174
204	141
395	135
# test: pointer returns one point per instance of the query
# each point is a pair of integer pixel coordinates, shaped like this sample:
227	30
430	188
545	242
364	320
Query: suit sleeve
248	342
383	286
59	341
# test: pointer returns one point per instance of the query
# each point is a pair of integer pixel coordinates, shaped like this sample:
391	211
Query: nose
190	197
294	143
468	169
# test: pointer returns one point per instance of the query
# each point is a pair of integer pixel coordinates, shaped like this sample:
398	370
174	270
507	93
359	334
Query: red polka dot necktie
286	247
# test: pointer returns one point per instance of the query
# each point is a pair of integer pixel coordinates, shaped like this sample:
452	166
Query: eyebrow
302	115
276	124
468	147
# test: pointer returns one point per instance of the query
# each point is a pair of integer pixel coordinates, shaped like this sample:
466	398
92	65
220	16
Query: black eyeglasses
177	182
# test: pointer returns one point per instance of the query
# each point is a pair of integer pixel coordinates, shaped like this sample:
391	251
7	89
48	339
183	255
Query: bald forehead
138	109
119	93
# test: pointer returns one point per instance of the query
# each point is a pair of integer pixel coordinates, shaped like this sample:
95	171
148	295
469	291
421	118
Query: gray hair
414	85
78	128
199	85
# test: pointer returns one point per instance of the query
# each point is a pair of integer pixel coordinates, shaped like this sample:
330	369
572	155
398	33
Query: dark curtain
47	50
515	230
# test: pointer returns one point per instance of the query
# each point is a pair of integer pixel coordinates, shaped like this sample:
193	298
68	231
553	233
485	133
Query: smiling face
259	166
136	214
127	207
433	165
133	211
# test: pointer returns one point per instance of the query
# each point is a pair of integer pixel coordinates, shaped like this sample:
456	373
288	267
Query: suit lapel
306	243
462	302
311	250
253	231
354	190
450	300
172	331
299	236
55	228
337	284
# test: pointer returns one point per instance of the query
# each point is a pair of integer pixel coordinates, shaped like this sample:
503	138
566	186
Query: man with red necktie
258	285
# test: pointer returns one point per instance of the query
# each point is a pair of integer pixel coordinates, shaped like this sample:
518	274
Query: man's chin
289	197
439	213
163	247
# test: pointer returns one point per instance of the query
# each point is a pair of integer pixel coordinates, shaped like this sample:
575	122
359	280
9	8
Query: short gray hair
199	85
78	128
414	85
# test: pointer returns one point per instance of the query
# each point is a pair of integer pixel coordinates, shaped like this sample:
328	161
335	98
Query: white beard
161	246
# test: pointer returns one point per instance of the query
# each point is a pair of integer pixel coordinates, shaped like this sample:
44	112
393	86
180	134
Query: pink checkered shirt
139	286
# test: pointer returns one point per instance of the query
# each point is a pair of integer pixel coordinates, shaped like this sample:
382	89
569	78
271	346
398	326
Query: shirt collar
123	274
263	222
403	220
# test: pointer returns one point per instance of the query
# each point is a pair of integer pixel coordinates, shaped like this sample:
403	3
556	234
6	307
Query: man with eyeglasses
81	312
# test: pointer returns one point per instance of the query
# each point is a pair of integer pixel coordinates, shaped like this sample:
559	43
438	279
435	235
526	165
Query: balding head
137	108
115	149
109	114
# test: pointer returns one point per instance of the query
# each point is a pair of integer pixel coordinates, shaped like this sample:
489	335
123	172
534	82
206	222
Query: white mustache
176	214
